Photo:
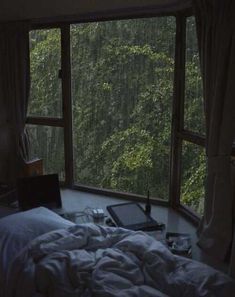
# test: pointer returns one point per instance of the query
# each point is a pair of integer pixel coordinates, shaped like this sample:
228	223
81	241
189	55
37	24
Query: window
102	98
193	160
47	142
45	63
193	105
45	114
122	89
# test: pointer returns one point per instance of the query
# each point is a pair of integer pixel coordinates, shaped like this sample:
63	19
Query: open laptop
40	190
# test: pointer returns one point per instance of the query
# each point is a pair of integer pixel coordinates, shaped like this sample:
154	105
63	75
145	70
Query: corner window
100	110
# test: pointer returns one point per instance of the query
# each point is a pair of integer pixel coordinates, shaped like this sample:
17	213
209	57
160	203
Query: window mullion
192	137
45	121
177	111
67	103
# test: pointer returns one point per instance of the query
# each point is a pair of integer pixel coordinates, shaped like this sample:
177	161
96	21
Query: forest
122	75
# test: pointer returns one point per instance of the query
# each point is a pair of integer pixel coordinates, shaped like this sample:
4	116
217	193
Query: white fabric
88	260
17	230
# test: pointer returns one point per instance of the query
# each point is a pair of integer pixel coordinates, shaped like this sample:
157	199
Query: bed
42	254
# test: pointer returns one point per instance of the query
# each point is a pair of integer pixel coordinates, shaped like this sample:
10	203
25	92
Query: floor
76	201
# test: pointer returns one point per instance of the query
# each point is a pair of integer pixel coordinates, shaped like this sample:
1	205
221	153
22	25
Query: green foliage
128	154
194	165
45	97
122	90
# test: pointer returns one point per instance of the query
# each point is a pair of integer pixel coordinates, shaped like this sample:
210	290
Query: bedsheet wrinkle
89	260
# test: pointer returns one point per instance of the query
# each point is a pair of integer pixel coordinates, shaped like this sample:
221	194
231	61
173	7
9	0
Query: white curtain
216	36
14	90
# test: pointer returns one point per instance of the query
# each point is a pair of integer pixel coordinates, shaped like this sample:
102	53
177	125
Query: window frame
65	121
178	133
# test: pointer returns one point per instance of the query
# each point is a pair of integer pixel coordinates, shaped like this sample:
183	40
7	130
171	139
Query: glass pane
193	176
45	63
122	83
47	143
194	119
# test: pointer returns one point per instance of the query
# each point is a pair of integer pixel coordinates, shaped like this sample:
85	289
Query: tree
122	87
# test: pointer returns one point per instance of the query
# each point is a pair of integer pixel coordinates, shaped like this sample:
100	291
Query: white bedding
87	260
17	230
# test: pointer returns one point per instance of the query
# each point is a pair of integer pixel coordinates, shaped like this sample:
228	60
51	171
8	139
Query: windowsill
119	195
185	211
175	222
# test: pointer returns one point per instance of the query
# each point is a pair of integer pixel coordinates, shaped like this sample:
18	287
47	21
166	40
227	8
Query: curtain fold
14	93
216	37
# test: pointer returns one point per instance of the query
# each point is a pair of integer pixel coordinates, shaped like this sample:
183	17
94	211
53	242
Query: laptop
39	190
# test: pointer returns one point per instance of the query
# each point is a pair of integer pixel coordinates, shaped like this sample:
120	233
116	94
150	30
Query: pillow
18	229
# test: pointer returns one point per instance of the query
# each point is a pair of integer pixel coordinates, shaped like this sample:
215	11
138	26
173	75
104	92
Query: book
179	243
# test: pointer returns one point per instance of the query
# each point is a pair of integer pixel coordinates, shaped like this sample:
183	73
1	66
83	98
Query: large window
122	89
102	99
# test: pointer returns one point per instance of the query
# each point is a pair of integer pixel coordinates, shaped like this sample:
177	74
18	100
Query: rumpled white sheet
88	260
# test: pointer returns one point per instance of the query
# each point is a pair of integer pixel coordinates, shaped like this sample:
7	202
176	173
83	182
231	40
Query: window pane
122	82
47	143
45	63
194	112
193	176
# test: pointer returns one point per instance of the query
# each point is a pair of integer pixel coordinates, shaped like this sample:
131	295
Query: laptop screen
41	190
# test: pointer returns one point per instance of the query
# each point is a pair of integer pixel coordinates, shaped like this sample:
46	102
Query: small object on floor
179	243
132	216
98	213
148	205
110	222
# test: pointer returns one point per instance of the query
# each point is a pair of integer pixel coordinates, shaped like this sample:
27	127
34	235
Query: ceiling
11	10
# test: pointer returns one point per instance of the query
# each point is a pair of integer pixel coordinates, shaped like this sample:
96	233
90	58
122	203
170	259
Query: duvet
89	260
